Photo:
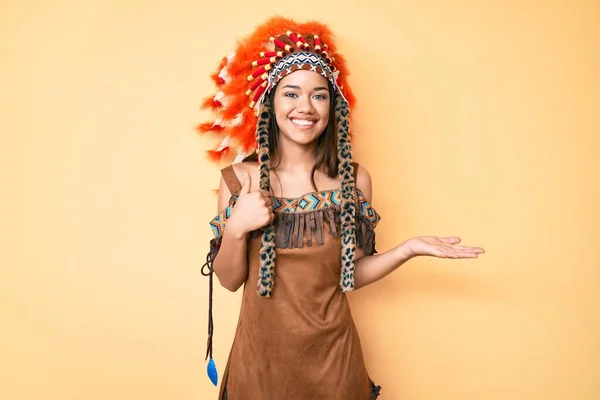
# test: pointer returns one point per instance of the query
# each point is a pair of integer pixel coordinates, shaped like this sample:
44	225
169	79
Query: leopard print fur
264	285
348	206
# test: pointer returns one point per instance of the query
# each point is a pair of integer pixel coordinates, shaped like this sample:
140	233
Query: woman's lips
302	123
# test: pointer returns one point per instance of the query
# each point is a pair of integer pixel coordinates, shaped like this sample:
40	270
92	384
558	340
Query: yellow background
477	119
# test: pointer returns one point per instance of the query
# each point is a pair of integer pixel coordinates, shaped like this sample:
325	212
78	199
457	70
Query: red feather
216	156
217	79
211	103
208	127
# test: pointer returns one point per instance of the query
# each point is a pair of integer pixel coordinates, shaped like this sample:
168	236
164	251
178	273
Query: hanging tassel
207	270
319	226
310	225
295	230
332	224
300	238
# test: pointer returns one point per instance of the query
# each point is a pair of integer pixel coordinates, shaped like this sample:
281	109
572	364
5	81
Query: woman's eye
291	95
320	97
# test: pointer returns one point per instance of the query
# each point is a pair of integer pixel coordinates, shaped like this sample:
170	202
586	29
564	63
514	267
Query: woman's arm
371	268
231	263
252	210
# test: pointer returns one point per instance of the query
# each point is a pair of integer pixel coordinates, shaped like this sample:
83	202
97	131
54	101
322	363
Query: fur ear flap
348	206
267	249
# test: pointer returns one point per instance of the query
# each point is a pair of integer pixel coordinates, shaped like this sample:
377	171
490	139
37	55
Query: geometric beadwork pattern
368	211
308	202
303	204
218	223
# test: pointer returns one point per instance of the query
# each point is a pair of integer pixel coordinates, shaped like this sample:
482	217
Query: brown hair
327	152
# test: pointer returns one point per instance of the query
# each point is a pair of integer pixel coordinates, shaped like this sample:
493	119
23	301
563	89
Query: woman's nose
304	105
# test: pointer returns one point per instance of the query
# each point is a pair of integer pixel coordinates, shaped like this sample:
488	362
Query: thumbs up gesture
253	209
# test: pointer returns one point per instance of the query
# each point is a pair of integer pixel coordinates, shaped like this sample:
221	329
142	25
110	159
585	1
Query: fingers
246	183
452	250
451	239
468	248
461	254
266	200
264	193
455	251
270	216
260	193
449	254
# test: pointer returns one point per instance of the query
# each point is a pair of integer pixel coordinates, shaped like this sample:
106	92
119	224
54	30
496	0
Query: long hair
326	151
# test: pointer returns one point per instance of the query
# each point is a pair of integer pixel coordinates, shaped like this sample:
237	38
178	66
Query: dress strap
355	164
231	179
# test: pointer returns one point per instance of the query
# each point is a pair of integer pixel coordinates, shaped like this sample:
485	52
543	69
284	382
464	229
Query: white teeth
302	122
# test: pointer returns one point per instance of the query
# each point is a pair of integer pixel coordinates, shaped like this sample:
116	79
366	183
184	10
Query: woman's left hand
442	247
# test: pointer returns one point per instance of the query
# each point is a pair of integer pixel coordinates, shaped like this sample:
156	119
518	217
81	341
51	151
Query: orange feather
216	156
208	127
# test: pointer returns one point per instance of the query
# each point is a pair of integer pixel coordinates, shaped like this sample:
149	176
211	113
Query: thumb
246	183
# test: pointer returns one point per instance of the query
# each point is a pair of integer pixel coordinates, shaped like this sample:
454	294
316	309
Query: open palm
442	247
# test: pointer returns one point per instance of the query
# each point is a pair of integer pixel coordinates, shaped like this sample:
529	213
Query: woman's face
301	102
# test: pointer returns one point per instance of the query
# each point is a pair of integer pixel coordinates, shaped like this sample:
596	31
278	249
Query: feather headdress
241	79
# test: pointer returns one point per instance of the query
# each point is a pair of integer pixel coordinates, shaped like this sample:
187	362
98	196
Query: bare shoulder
364	183
224	195
240	168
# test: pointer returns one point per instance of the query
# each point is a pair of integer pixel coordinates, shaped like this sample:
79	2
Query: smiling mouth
302	122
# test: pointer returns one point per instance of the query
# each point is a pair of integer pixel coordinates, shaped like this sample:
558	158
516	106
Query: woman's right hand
252	211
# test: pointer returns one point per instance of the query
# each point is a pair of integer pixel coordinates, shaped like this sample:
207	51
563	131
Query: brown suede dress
301	343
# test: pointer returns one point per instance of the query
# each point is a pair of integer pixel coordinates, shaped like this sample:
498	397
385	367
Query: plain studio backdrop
475	118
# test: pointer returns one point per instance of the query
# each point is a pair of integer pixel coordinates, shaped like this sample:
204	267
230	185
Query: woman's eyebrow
298	87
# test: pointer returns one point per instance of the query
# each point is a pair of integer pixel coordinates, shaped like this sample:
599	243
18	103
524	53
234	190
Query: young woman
298	232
